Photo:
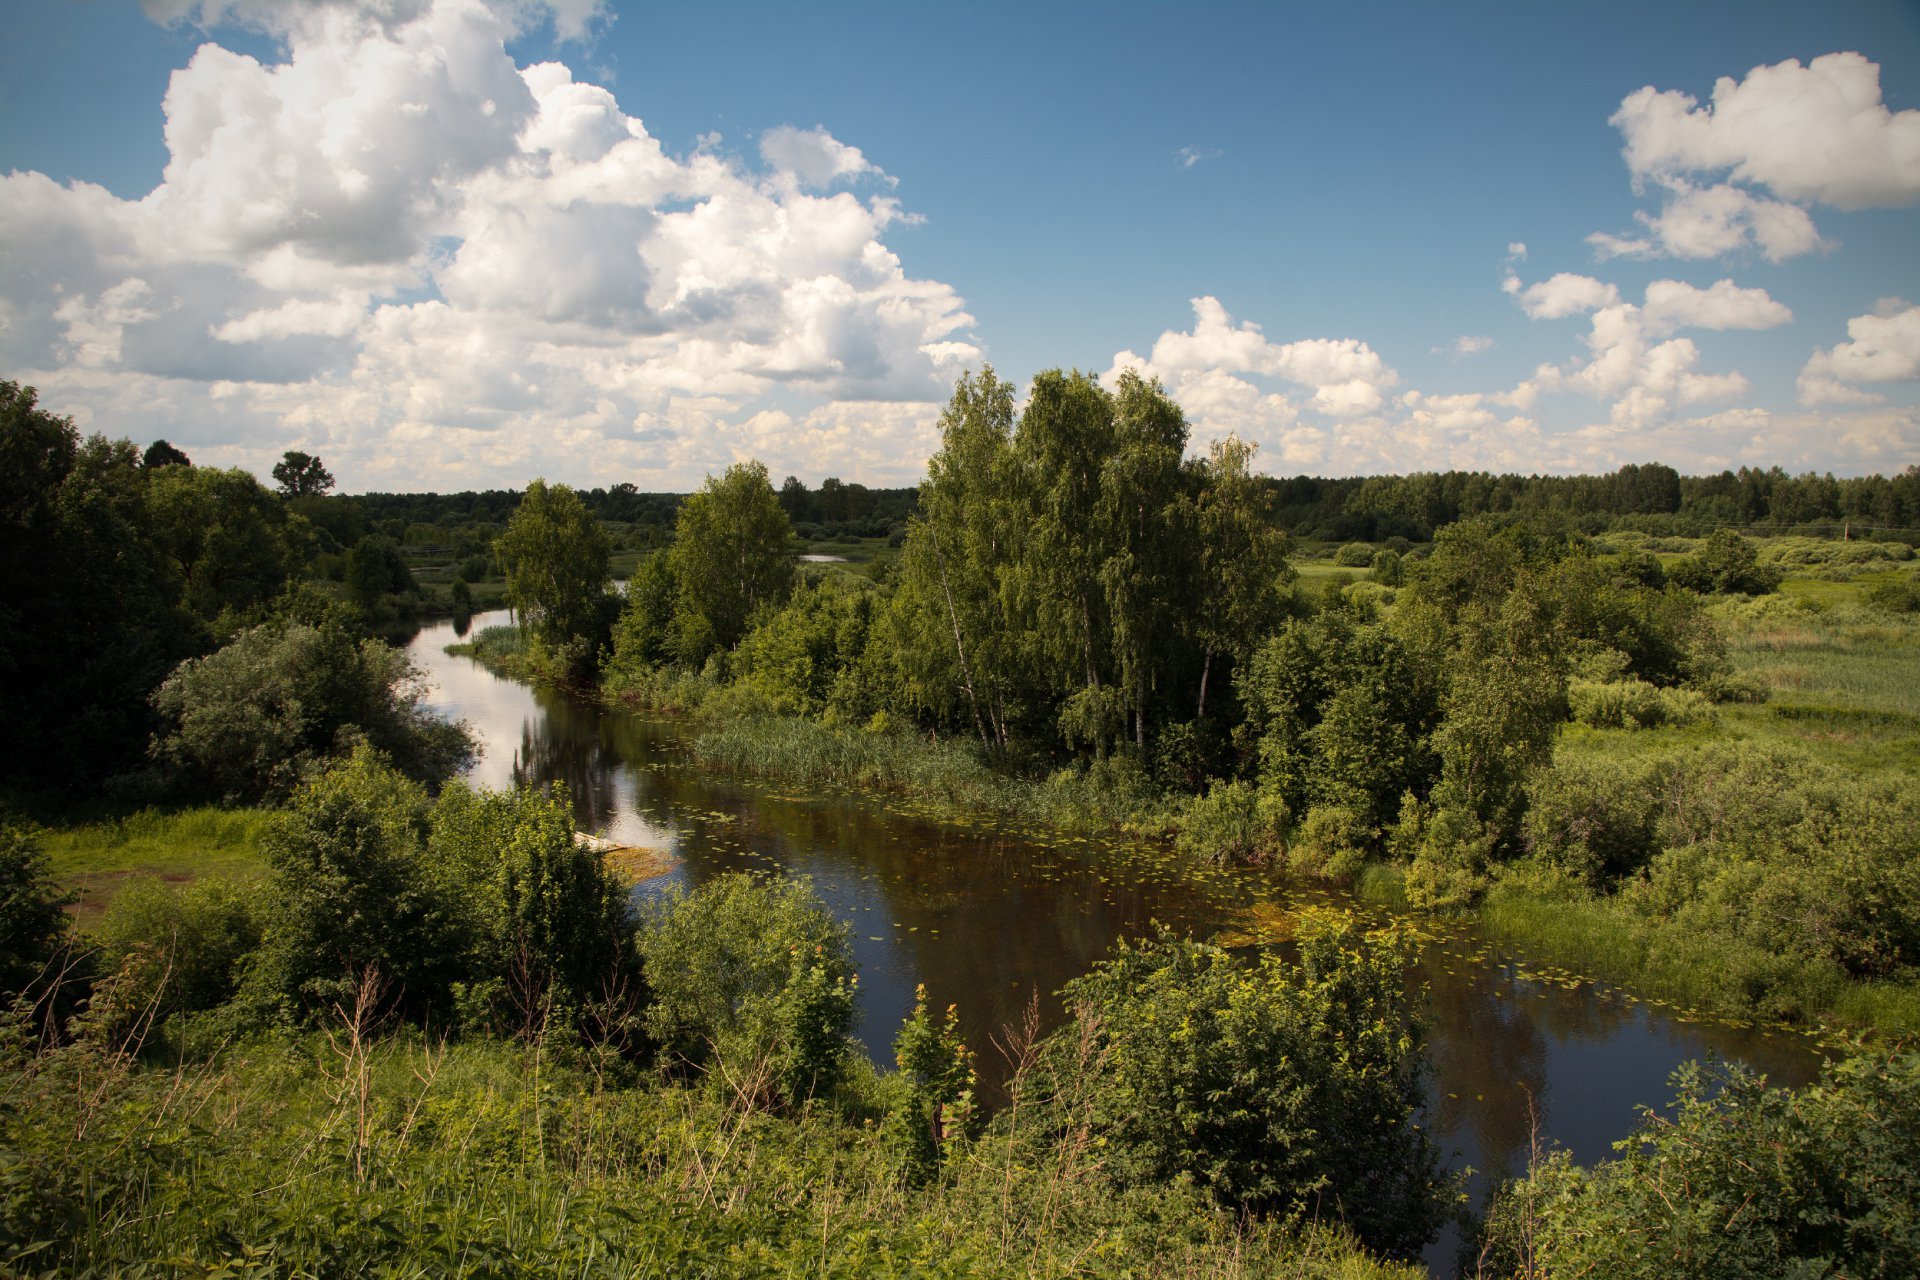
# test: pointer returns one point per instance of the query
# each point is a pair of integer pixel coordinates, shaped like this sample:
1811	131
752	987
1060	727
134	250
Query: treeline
1651	498
1119	624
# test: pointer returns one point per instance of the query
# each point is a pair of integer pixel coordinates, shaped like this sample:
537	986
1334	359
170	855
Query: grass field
94	859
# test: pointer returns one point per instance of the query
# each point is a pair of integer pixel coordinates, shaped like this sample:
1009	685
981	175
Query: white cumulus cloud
395	245
1883	346
1739	172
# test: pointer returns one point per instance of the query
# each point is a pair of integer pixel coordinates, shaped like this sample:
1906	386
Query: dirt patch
94	890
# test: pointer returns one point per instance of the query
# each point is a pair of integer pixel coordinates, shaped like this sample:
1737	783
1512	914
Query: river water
991	920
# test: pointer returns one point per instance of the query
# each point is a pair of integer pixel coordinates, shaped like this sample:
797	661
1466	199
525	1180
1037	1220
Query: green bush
1726	564
753	983
190	943
1233	823
1292	1091
31	922
352	904
1354	555
1332	844
546	921
250	720
1737	1180
1900	595
1595	819
1633	704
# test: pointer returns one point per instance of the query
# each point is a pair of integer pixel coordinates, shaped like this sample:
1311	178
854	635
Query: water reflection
988	918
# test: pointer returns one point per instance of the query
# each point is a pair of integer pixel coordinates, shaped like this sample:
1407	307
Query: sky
447	244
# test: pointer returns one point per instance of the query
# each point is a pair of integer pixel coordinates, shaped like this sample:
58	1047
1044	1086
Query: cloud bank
400	249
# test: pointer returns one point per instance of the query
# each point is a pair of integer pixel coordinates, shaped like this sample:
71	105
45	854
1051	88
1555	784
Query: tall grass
345	1155
944	776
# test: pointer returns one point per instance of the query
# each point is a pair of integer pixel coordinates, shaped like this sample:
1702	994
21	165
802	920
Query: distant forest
1652	498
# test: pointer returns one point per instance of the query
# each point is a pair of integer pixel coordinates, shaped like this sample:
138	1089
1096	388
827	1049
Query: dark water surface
990	919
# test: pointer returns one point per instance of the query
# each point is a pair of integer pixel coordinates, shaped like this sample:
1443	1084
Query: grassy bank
348	1156
93	859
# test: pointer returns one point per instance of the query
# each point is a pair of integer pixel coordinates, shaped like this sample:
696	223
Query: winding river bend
989	919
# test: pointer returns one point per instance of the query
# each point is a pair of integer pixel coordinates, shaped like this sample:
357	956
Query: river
991	920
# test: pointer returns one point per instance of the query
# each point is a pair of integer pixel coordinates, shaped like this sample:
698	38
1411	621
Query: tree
90	616
376	568
554	554
228	537
162	454
250	720
1242	561
300	475
31	921
957	642
732	554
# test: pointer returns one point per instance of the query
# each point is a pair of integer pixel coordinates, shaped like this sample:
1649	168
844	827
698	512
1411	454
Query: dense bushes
250	720
31	922
1282	1089
752	983
1737	1181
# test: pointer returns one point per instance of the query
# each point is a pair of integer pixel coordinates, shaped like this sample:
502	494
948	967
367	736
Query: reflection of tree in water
562	744
1491	1054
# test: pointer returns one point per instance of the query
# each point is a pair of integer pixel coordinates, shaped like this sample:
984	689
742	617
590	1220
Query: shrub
1233	823
548	922
350	896
1738	1180
1332	843
1901	595
753	982
1595	819
1354	555
190	942
250	720
937	1070
1633	704
1282	1090
1726	565
31	922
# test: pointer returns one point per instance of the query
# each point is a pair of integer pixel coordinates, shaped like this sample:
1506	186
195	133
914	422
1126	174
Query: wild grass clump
349	1152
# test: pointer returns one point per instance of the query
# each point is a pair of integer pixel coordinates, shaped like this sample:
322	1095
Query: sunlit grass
93	859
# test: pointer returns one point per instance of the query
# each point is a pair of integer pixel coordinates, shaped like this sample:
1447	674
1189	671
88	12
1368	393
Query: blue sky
1368	237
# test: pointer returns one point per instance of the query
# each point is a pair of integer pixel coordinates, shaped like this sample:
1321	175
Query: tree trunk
959	645
1206	667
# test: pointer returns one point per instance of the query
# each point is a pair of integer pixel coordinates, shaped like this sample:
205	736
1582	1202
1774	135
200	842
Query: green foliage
937	1069
732	554
1288	1090
1233	823
1345	712
31	922
1332	843
643	634
753	983
1355	555
1595	819
300	475
546	922
1734	1181
250	720
1897	595
395	1157
1726	564
375	568
818	654
232	545
90	602
183	948
1633	704
554	556
352	899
